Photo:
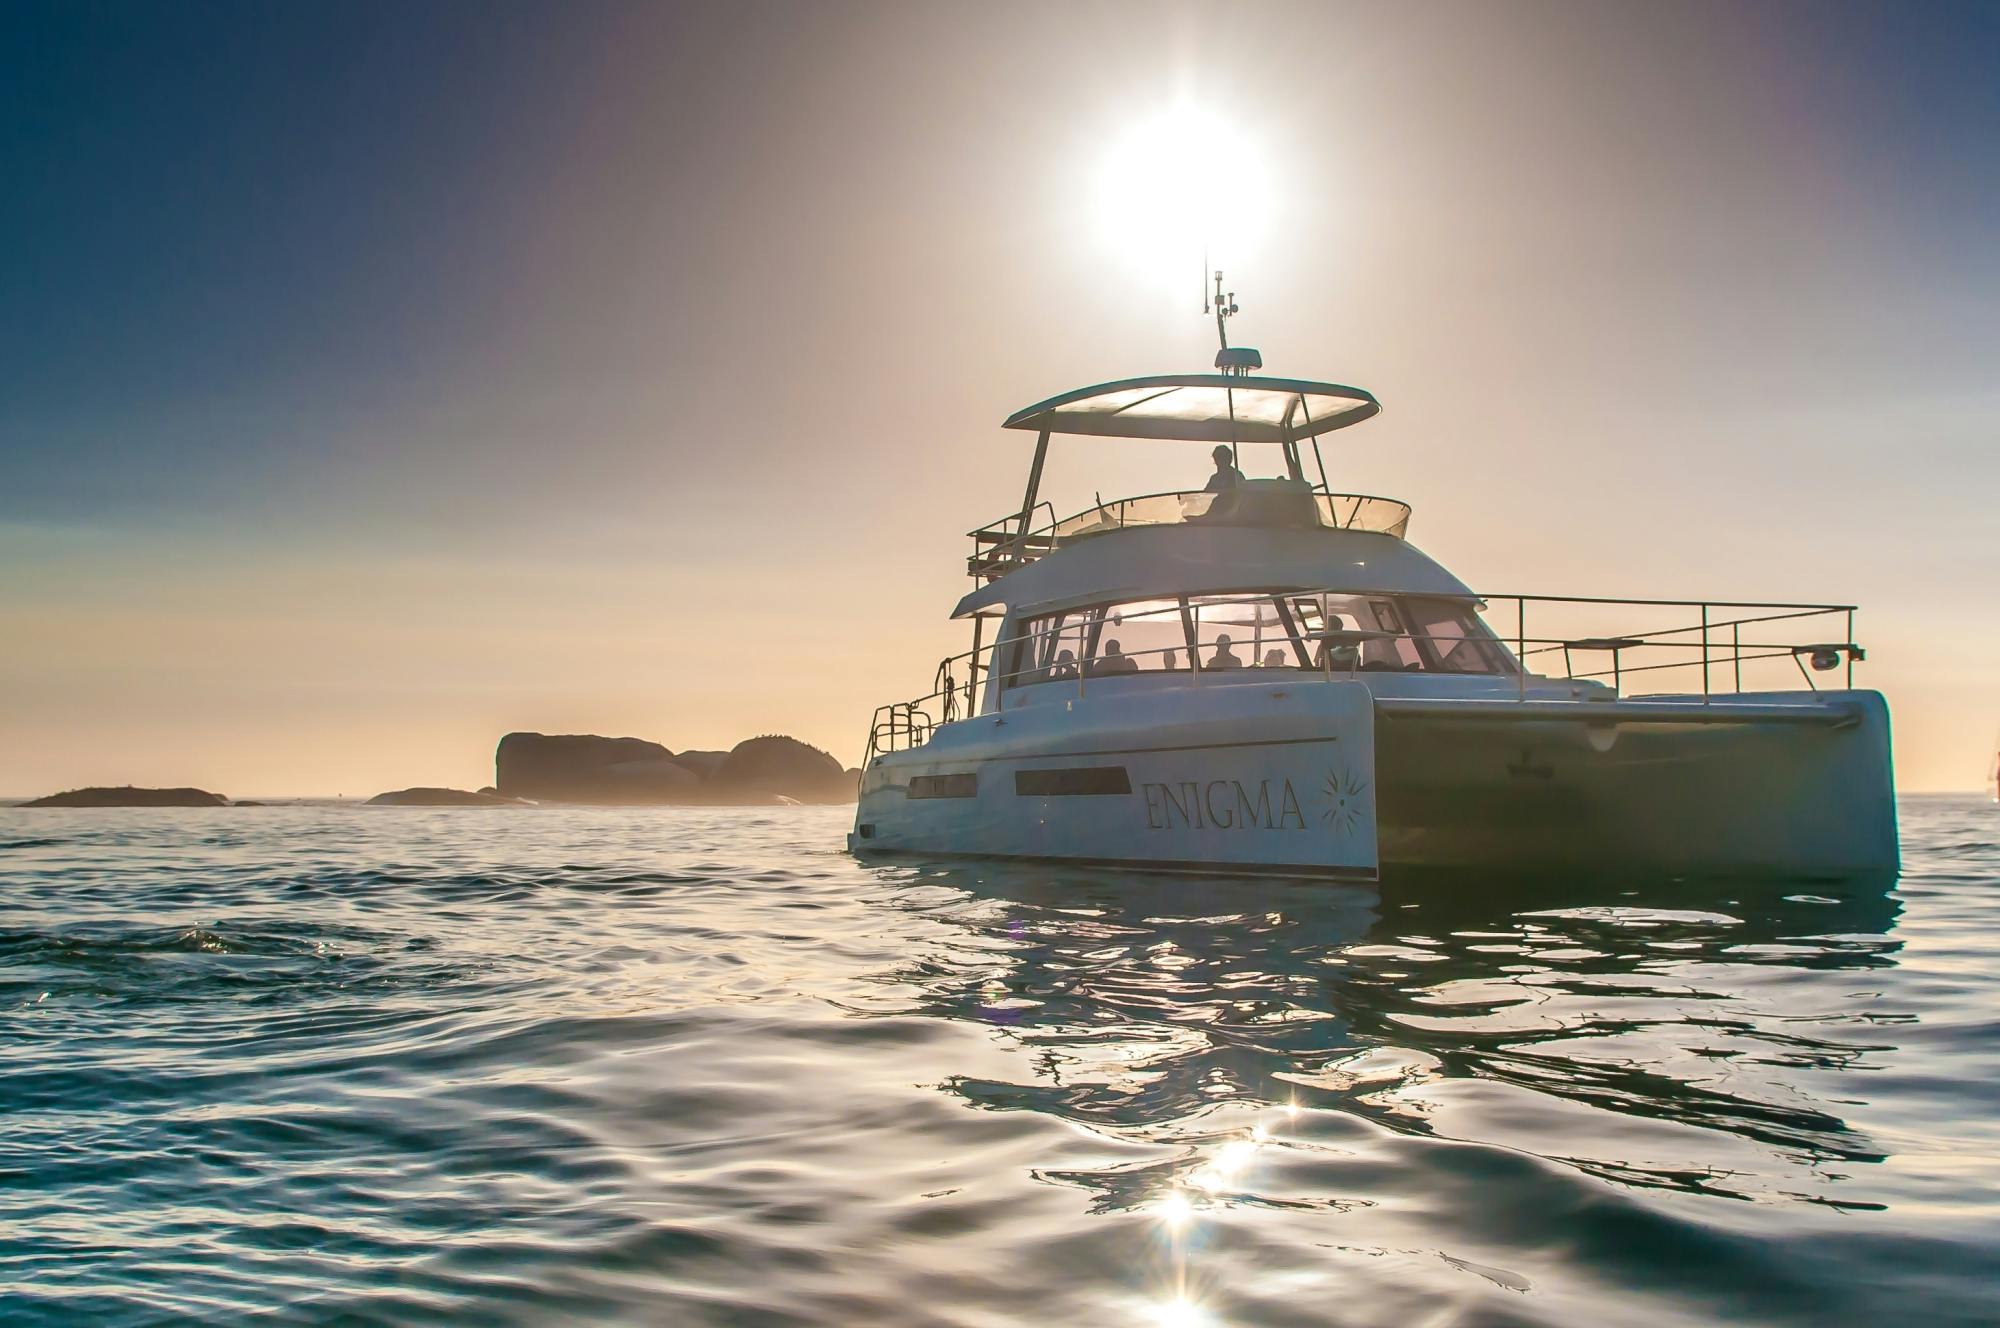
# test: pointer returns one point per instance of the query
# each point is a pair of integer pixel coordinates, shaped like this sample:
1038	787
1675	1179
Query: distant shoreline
20	801
566	769
276	801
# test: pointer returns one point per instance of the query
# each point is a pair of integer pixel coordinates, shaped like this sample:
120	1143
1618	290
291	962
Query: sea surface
689	1067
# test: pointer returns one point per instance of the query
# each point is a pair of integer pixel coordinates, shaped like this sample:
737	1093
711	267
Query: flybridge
1229	406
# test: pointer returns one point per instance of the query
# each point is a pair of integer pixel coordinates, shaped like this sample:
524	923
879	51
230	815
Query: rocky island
586	768
442	797
128	796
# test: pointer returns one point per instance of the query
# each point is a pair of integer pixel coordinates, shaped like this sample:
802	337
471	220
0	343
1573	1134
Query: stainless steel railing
1002	545
1713	645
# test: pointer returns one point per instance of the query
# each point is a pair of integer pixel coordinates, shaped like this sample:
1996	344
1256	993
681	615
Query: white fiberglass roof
1204	407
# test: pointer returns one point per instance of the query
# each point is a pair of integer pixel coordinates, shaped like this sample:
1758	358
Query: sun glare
1179	184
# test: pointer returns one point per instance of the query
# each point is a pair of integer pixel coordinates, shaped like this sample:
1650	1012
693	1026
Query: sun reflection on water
1261	1056
1180	1313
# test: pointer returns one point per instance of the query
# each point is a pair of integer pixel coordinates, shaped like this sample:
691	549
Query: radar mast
1233	361
1223	308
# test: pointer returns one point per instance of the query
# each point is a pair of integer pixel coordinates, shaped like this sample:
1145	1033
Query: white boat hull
1239	779
1321	778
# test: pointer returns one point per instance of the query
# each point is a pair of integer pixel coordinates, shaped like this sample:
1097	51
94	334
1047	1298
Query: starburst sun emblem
1344	808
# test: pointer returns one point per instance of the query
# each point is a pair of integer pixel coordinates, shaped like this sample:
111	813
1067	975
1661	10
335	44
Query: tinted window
1458	641
1086	781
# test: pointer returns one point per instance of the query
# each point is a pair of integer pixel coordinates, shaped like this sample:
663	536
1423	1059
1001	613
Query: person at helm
1226	476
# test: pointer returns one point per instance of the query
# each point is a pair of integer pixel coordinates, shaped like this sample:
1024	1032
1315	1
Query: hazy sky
375	379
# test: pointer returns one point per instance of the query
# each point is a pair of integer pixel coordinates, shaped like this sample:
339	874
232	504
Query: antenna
1235	361
1223	307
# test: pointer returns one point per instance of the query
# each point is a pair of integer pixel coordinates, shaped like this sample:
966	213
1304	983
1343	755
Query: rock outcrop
784	767
127	796
585	768
582	767
441	797
704	764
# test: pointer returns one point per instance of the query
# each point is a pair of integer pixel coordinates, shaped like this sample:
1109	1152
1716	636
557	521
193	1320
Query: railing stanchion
1736	653
1704	654
1849	652
972	668
1521	645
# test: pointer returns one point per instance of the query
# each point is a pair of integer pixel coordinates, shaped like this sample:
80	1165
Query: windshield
1368	633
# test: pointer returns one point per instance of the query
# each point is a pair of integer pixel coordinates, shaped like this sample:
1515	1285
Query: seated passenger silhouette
1274	658
1064	669
1226	475
1167	660
1224	657
1333	651
1113	660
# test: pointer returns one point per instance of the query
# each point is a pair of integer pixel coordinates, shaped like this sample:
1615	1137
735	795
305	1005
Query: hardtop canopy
1201	407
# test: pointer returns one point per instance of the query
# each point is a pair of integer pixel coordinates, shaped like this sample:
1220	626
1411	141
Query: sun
1181	183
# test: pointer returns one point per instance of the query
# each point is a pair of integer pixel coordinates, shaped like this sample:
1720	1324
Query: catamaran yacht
1271	678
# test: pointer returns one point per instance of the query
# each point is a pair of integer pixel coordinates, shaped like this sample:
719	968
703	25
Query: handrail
904	724
1671	603
1010	541
1000	545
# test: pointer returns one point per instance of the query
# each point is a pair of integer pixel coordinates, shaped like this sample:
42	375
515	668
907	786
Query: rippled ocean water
701	1067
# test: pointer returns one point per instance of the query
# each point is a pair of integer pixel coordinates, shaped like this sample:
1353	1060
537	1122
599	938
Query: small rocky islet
581	769
442	797
125	795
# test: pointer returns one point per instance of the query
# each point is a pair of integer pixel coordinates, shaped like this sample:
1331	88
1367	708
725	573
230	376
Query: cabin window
1281	630
1048	649
1345	632
1104	641
1140	637
1400	654
1243	632
1454	638
1064	643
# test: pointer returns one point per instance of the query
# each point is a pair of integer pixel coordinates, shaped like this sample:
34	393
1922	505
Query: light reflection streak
1223	1169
